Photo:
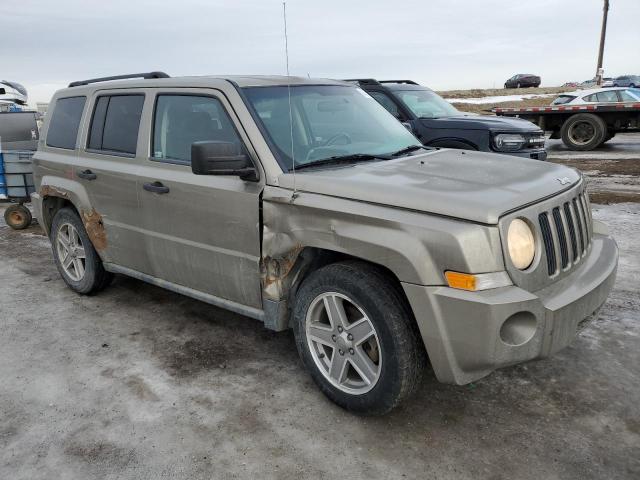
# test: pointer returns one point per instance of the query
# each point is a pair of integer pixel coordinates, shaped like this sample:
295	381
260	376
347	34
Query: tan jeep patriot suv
304	204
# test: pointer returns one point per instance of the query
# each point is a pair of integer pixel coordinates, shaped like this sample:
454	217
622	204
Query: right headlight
509	142
521	244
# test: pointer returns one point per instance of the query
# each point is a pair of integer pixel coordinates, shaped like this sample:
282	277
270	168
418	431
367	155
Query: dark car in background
437	123
632	81
523	80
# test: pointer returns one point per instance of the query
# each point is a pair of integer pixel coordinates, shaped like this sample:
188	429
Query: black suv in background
437	123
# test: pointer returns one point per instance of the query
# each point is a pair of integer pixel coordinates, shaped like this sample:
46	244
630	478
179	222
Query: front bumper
539	154
470	334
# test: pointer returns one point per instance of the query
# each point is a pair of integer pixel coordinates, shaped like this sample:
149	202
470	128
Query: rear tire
78	262
17	216
356	298
583	131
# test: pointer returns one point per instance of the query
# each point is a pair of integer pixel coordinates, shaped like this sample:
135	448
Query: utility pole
603	34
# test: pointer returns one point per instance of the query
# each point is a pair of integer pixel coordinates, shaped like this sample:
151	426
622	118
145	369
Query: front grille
566	233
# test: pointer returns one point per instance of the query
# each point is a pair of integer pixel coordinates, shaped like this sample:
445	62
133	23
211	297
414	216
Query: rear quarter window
65	121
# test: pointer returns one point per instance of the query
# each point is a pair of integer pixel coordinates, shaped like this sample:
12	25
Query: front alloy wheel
343	343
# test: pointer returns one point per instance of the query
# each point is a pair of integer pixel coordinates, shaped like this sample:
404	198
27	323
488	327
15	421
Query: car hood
481	122
475	186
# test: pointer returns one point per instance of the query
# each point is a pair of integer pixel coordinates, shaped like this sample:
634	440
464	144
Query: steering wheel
331	140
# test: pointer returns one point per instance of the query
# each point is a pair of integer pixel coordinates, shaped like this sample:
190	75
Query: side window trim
101	151
177	161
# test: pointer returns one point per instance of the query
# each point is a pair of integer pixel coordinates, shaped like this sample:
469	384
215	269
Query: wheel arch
56	193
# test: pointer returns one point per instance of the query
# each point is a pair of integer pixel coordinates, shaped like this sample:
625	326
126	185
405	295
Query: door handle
156	187
87	175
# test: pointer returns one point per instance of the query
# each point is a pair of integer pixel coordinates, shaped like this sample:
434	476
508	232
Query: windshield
328	121
427	104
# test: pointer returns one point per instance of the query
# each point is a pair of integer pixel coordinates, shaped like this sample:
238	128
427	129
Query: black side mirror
221	158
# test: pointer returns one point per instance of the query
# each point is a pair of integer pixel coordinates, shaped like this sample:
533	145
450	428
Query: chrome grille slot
572	230
562	238
566	233
547	239
579	220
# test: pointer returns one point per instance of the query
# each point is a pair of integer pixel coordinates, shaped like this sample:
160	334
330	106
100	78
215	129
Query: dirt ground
612	170
141	383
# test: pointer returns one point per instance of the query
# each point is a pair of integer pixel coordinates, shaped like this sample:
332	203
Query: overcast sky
445	44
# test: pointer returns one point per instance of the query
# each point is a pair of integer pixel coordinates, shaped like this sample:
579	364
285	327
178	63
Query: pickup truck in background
581	126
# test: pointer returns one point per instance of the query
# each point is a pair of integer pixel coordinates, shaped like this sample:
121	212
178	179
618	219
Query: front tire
77	260
357	338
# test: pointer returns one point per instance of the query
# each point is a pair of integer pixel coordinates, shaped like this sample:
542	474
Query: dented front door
201	231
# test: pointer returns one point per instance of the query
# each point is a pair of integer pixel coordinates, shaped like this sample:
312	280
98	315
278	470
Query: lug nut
351	351
350	337
321	355
333	337
340	329
341	352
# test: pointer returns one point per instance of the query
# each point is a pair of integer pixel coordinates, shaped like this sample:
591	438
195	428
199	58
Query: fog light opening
518	329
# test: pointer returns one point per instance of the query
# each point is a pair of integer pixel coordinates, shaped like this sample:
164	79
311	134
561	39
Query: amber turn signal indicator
463	281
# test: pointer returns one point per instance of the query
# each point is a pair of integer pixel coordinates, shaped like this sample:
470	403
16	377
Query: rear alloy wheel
356	336
584	131
77	261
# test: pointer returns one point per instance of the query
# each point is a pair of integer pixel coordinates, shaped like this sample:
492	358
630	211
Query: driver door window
181	120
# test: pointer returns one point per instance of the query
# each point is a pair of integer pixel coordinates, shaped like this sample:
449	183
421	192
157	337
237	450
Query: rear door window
65	121
115	124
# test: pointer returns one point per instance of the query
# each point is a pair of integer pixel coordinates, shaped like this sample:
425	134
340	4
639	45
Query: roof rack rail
410	82
119	77
364	81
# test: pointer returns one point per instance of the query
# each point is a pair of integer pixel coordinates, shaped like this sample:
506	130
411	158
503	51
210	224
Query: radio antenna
286	54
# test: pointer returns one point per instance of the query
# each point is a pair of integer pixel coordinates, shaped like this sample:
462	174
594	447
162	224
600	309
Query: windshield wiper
409	149
338	159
